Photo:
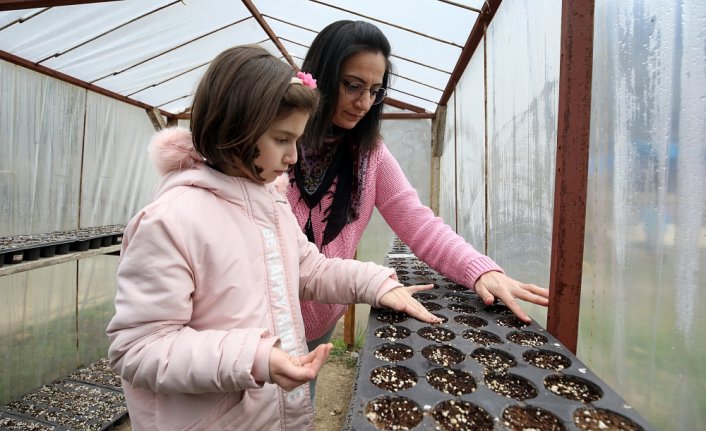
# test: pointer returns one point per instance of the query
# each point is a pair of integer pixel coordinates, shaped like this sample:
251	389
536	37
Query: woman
345	170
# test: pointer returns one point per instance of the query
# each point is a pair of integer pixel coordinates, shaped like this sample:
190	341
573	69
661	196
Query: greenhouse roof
151	53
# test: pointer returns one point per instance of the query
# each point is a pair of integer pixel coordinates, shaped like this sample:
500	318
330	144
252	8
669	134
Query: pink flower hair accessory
304	79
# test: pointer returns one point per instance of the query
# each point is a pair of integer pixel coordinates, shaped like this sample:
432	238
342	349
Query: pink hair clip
304	79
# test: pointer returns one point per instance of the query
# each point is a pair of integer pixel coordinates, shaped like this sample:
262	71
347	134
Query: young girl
207	333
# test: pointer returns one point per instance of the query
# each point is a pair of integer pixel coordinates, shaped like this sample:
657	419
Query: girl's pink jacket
210	278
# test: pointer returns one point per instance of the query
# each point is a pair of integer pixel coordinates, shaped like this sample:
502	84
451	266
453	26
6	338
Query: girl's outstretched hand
288	372
400	299
495	284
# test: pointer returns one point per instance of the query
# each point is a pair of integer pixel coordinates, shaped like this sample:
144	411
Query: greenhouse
564	140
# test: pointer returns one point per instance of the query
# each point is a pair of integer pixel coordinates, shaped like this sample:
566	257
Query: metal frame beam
573	130
32	4
4	55
474	38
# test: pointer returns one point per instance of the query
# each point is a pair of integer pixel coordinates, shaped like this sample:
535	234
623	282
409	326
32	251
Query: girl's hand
289	372
495	284
400	299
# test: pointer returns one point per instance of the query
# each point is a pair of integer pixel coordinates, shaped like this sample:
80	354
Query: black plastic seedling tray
90	398
73	405
16	422
479	370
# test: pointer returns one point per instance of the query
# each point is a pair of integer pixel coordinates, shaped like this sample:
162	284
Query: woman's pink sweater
430	239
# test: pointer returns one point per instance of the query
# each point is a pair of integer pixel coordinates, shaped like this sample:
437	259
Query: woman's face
366	69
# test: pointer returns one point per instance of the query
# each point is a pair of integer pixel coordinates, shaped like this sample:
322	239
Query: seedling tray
482	369
16	422
70	404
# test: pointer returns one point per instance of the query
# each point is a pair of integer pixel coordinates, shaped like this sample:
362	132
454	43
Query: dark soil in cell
454	297
73	405
546	359
494	359
15	423
393	378
392	333
394	352
422	272
393	413
389	316
453	382
603	420
511	322
458	415
527	338
443	354
431	306
498	309
457	288
423	296
480	336
573	388
473	321
519	418
511	386
443	318
400	271
462	308
437	334
98	373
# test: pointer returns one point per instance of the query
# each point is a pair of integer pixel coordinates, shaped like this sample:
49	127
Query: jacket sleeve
340	281
429	238
151	344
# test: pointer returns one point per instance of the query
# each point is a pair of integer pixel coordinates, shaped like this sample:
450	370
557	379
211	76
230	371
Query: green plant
340	351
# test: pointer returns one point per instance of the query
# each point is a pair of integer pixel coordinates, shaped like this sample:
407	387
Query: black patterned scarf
314	174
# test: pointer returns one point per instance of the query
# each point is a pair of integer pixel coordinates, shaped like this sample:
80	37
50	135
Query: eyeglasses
354	91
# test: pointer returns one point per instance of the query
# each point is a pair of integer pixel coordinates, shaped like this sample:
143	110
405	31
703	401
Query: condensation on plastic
408	141
447	167
470	152
40	155
643	296
96	293
37	328
118	178
523	75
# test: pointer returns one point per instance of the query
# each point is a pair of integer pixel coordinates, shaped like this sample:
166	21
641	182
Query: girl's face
367	70
277	146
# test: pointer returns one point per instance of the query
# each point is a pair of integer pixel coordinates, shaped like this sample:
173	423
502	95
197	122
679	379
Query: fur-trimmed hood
173	149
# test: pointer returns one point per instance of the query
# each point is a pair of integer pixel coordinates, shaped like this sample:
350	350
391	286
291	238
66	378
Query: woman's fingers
492	285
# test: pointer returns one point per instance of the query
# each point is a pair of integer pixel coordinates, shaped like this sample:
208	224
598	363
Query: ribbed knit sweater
430	239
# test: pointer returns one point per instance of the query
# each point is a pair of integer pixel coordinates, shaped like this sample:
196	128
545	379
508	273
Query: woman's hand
495	284
400	299
289	372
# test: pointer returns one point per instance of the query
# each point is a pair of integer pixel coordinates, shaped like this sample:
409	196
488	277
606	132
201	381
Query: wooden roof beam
4	55
266	27
474	38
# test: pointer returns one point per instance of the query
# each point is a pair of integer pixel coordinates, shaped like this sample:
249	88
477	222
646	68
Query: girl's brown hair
244	91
